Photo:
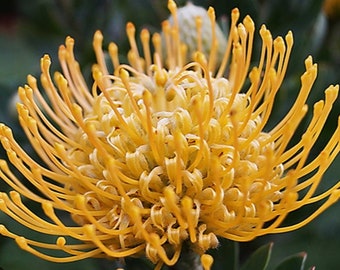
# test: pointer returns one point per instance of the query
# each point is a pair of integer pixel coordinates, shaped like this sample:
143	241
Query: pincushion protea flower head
167	149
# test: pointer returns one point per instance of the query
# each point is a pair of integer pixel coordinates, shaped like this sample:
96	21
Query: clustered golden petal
165	149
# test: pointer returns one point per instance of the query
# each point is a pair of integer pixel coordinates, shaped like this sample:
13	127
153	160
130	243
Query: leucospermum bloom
167	149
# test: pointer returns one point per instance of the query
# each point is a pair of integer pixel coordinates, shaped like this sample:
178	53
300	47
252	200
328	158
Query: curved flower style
166	149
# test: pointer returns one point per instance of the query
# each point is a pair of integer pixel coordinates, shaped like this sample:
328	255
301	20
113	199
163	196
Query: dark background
29	29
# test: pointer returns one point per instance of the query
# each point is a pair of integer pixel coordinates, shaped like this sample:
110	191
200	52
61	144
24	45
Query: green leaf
294	262
259	259
226	256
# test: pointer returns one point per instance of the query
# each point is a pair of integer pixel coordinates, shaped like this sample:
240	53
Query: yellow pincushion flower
162	152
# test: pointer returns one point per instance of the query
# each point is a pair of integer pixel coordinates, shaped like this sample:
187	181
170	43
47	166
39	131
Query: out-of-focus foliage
29	29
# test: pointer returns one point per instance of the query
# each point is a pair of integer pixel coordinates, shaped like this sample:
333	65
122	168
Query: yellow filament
157	44
145	38
113	51
23	243
90	232
97	46
187	205
235	14
26	94
130	31
147	98
170	57
170	202
74	76
334	197
214	42
198	21
80	201
124	75
175	34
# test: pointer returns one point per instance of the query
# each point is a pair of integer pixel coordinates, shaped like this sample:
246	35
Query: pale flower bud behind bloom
196	33
162	153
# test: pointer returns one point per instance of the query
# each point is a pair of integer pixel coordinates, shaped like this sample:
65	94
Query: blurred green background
29	29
